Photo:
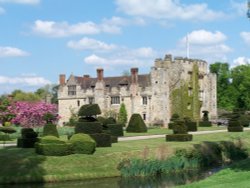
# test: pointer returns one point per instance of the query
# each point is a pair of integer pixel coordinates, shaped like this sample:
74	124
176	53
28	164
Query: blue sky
41	39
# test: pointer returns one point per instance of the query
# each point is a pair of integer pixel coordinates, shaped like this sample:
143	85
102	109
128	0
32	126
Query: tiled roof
88	82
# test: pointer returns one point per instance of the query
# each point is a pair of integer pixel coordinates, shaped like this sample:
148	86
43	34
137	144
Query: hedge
136	124
89	110
4	137
88	127
114	139
115	129
102	139
191	126
28	139
235	129
179	137
82	143
50	129
205	124
179	127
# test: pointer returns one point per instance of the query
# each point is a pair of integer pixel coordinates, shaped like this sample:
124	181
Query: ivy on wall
185	99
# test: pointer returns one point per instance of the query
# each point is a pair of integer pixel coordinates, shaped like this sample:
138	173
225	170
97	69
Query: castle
178	85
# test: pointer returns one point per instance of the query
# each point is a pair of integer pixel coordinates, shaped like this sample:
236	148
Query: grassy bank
24	165
236	175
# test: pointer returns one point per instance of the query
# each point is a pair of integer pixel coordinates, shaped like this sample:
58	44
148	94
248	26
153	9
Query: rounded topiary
82	143
116	129
7	130
179	127
28	138
234	124
136	124
244	120
89	110
50	129
50	139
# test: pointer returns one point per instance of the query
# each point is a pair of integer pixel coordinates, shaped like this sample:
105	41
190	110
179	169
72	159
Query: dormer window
71	90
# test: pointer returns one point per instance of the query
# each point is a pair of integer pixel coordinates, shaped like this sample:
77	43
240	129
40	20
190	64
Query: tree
19	95
122	116
31	114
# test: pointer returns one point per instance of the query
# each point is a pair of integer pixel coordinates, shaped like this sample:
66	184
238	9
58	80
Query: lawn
24	165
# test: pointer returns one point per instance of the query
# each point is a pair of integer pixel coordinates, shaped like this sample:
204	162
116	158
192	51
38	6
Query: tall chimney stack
99	74
62	79
134	75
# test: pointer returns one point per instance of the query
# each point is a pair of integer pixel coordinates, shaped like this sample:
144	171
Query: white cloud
90	44
12	52
97	60
203	37
240	61
24	80
168	9
28	2
245	36
239	7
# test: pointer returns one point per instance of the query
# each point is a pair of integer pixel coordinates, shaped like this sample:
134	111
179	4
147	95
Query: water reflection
163	181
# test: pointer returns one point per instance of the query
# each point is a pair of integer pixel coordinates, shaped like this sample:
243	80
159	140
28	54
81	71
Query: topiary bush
82	143
180	127
172	120
4	137
53	146
136	124
88	127
234	124
89	110
50	129
244	120
115	129
102	139
28	138
179	137
191	126
205	124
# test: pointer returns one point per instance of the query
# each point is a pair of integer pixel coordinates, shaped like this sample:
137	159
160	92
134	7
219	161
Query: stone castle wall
166	75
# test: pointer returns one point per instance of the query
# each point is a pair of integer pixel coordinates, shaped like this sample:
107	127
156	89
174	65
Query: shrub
7	130
179	137
122	116
4	137
52	146
234	125
114	139
205	124
50	129
89	110
115	129
28	138
179	127
235	129
191	126
82	143
88	127
102	139
244	120
136	124
171	125
205	115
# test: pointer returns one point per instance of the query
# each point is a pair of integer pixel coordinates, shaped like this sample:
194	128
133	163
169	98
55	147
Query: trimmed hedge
53	146
116	129
136	124
26	142
170	125
88	127
179	137
50	129
235	129
102	139
28	139
191	126
4	137
180	127
244	120
205	124
8	130
82	143
89	110
114	139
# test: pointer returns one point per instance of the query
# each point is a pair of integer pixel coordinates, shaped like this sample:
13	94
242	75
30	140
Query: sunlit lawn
20	165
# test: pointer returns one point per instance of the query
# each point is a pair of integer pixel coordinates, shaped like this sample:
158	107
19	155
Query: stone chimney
99	74
134	75
62	79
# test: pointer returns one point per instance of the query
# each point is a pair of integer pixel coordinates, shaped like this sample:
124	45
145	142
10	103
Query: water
163	181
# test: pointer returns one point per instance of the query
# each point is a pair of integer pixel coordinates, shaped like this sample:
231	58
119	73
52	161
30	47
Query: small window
91	100
72	90
144	100
78	103
115	100
144	116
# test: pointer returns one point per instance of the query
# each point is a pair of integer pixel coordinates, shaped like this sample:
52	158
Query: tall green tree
122	116
226	92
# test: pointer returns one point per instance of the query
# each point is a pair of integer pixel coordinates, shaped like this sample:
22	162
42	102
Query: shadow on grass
20	165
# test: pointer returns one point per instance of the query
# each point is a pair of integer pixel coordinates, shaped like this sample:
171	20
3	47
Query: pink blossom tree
31	114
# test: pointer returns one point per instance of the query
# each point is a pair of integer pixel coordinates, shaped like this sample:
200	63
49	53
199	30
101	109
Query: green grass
237	175
24	165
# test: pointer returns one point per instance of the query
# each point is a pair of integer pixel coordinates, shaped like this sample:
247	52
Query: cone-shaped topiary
136	124
50	129
89	110
234	124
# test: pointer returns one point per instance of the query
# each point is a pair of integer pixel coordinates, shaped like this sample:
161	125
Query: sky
41	39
